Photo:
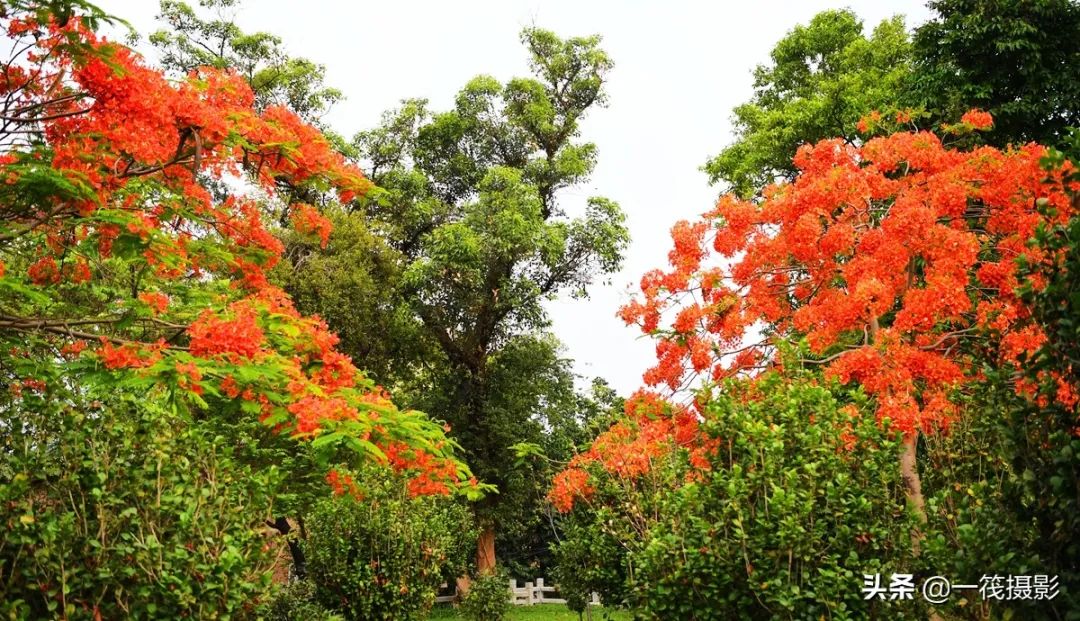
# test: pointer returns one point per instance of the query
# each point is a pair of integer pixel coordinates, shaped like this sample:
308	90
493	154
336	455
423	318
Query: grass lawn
540	612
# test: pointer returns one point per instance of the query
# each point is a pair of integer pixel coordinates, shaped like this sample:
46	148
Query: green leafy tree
1016	59
468	200
823	78
355	284
481	177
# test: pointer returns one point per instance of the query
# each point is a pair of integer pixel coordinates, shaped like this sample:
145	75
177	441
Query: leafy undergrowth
540	612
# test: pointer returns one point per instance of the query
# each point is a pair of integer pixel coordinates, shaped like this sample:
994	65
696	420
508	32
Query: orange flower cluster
885	257
978	119
239	336
430	476
156	300
73	349
567	487
44	271
866	123
119	123
307	219
343	484
129	355
652	429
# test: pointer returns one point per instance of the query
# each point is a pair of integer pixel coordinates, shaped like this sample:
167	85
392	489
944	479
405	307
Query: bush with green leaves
126	511
595	553
973	527
802	498
296	602
589	559
603	530
488	597
383	555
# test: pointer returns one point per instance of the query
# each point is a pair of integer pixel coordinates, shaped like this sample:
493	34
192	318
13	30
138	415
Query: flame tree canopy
892	264
884	257
134	245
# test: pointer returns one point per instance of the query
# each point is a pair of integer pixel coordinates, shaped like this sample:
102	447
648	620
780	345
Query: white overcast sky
680	67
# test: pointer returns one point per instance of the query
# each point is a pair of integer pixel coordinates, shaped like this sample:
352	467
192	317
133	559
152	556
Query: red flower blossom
239	336
977	119
139	148
128	355
567	487
307	219
156	300
851	242
230	387
342	483
44	272
73	349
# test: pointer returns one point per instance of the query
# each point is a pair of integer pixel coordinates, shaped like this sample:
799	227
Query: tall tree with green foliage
1017	59
462	239
468	199
823	78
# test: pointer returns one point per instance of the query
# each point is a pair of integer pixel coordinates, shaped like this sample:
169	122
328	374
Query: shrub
488	598
126	512
609	498
589	559
802	498
296	602
383	556
1003	496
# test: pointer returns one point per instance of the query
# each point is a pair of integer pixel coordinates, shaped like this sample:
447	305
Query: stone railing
528	595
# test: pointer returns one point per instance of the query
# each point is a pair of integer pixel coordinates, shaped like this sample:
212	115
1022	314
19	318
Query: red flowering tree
892	264
884	257
134	246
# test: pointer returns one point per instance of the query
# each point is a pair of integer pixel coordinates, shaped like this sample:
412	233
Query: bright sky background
680	67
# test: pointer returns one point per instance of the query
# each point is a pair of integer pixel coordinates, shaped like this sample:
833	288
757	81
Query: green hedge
802	499
127	512
384	556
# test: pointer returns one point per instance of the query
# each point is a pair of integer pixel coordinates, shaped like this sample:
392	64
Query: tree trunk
463	583
485	551
485	559
282	525
909	471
